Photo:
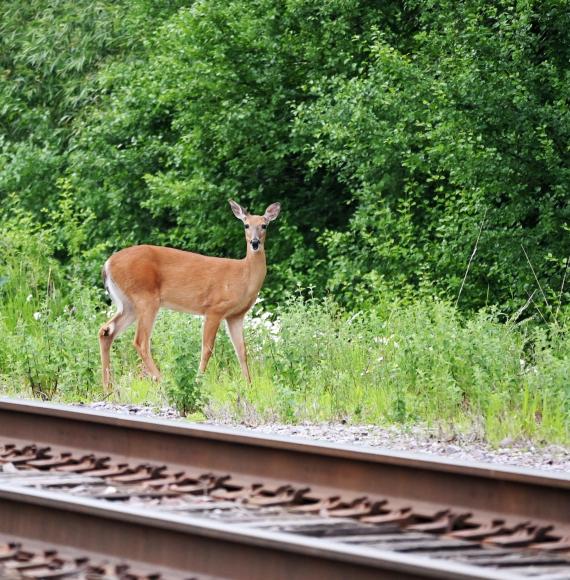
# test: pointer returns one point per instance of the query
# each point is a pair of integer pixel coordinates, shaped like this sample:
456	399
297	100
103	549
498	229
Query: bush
392	134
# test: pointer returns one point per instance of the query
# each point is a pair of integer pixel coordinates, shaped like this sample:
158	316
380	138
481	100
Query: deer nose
255	243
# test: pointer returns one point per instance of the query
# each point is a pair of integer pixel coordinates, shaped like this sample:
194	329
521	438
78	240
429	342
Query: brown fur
153	277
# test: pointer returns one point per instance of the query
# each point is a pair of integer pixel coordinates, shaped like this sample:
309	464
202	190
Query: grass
422	362
419	363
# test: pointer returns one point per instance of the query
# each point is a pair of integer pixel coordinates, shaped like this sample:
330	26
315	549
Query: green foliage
182	383
420	151
207	115
391	133
404	363
46	321
29	275
51	54
466	129
420	361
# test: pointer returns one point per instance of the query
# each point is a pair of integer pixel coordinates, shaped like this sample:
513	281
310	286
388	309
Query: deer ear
239	212
272	212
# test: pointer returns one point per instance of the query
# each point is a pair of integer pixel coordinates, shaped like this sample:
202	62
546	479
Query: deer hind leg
211	325
107	334
146	315
235	330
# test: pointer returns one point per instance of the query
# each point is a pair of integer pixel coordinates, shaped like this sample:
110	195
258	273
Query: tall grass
416	363
311	361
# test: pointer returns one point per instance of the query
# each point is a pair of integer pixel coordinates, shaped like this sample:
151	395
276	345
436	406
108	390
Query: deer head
255	225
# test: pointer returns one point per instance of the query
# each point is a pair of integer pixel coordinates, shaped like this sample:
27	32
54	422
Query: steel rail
207	547
506	491
20	556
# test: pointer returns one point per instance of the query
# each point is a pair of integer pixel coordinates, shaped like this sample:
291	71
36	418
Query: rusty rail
500	490
505	507
24	559
208	548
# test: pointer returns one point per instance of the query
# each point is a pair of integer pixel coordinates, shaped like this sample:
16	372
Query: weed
421	361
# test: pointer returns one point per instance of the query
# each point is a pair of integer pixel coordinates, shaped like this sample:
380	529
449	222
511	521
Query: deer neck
256	267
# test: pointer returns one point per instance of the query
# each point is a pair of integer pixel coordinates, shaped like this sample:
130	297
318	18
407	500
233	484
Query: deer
143	279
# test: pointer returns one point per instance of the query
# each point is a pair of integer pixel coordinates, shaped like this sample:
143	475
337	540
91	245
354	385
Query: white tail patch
114	291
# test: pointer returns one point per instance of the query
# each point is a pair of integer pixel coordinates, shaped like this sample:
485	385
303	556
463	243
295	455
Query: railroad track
85	494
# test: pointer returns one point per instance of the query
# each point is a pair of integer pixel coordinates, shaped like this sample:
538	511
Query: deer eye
246	226
264	226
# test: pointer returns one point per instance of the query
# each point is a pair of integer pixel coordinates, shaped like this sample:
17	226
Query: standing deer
143	279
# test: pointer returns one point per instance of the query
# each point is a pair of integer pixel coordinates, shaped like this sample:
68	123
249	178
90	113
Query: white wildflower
352	318
29	298
253	322
37	315
275	331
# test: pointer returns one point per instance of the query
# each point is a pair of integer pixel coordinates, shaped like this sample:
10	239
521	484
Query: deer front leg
235	329
211	325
